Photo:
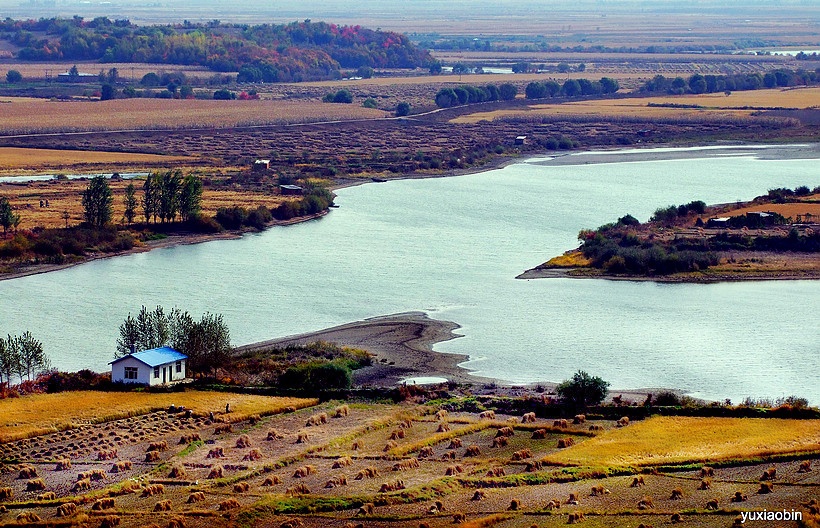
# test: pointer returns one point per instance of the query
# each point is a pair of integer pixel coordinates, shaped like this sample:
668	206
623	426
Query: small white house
157	366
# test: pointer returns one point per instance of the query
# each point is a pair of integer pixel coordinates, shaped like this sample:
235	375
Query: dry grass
66	196
27	116
677	440
714	105
21	159
570	259
35	415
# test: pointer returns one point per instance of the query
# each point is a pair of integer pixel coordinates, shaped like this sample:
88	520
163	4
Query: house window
156	372
179	366
131	373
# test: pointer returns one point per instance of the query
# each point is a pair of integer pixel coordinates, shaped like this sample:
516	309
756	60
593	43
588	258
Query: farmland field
16	161
332	464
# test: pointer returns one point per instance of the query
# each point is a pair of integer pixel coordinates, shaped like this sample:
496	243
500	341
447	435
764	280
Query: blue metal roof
156	356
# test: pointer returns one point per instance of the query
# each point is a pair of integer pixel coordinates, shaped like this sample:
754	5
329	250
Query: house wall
143	373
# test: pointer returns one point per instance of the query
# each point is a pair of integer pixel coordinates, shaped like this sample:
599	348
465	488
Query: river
452	247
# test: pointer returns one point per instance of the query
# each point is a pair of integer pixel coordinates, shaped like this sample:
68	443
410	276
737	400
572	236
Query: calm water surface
452	247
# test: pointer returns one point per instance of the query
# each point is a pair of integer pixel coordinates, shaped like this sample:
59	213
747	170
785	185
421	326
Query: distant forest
287	52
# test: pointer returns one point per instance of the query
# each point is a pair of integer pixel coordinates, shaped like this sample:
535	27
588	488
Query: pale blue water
452	247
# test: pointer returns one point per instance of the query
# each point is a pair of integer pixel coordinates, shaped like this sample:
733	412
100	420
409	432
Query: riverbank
402	348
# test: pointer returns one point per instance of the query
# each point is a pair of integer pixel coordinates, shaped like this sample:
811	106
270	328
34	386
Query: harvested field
306	485
678	440
34	415
27	116
714	106
65	196
16	160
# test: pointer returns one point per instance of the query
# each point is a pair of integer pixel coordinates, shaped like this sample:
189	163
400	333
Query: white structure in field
157	366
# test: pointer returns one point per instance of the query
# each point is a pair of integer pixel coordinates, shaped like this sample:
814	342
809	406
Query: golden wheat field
711	105
678	440
66	196
27	116
24	159
34	415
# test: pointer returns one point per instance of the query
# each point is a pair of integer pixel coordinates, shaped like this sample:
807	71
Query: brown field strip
34	415
713	105
26	116
65	195
13	158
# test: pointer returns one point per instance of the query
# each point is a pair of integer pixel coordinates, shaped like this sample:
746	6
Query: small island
774	236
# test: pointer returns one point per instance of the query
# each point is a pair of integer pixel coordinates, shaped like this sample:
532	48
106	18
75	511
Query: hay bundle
224	428
273	434
366	509
120	466
270	481
152	456
103	504
739	496
241	487
515	505
228	504
110	521
637	481
406	424
572	500
486	415
539	434
707	471
304	471
176	472
450	455
528	417
769	474
677	494
472	450
341	480
27	472
441	414
561	424
63	464
522	454
504	431
712	505
216	472
426	451
357	445
646	503
176	523
575	517
705	484
110	454
453	470
341	462
216	452
189	439
28	518
497	471
243	441
66	510
49	495
162	506
196	496
391	444
676	518
478	495
292	523
455	443
97	474
368	472
341	411
398	434
443	427
599	490
579	419
622	422
410	463
500	441
37	485
596	427
158	446
392	486
765	488
252	456
302	438
459	518
532	466
153	489
805	466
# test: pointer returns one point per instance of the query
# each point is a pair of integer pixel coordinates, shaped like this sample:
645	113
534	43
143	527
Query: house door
163	375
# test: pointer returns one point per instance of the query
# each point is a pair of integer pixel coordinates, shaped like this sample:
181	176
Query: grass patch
35	415
682	440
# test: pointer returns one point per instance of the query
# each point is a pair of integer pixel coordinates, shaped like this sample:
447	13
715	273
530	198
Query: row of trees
698	84
206	342
461	95
21	356
571	88
8	218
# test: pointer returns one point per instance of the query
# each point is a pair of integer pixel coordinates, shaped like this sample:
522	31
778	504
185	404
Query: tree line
461	95
698	84
273	52
206	342
571	88
21	356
